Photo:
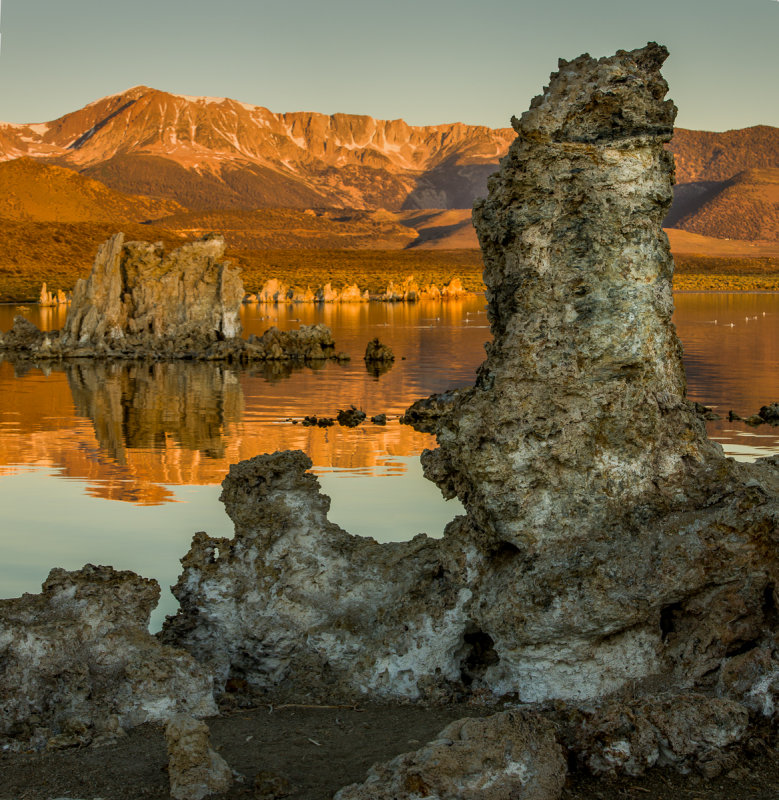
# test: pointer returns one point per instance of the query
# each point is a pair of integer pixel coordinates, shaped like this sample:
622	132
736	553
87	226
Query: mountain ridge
208	153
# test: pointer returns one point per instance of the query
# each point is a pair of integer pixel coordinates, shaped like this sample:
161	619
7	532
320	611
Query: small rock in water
379	419
770	413
351	417
376	351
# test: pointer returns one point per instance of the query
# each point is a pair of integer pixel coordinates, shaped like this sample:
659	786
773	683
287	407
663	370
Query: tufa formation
606	542
140	302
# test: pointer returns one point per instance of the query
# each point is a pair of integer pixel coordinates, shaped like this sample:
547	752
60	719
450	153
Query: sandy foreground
308	753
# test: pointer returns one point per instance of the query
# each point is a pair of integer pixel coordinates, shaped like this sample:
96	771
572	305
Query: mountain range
201	162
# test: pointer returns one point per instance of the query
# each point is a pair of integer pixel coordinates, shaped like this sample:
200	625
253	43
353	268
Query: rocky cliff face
583	387
606	539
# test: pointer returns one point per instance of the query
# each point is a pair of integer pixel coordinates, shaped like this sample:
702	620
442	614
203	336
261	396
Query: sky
425	61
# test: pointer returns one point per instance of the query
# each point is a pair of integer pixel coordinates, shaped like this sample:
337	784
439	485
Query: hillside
724	182
744	207
40	192
709	156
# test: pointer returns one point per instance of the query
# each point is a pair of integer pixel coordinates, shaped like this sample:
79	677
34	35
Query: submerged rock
77	662
376	351
508	756
606	540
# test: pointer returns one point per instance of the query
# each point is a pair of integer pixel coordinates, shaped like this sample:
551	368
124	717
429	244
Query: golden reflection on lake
133	430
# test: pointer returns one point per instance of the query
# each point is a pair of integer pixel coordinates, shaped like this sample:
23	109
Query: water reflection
133	430
145	406
732	362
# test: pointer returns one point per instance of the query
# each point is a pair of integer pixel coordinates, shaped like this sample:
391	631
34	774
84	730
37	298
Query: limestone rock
303	296
453	289
46	298
136	289
376	351
77	660
273	291
606	540
508	756
326	294
194	769
681	731
352	294
24	336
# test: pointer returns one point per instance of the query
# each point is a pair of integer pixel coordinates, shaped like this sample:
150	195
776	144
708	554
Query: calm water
121	464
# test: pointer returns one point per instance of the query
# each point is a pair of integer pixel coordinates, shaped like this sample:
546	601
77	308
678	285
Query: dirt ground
318	750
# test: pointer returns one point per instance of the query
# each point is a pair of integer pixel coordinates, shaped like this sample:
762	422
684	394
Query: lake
121	464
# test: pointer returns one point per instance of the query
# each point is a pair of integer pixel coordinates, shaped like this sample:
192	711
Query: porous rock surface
194	769
136	290
77	662
685	731
606	541
508	756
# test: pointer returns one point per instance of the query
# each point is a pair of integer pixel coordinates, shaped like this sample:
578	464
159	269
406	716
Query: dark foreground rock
78	665
424	414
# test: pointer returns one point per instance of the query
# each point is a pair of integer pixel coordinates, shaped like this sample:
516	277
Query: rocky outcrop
606	541
376	351
509	756
194	769
424	414
77	663
137	291
683	731
351	417
140	302
48	299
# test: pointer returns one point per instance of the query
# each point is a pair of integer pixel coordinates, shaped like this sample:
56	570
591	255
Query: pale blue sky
427	61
